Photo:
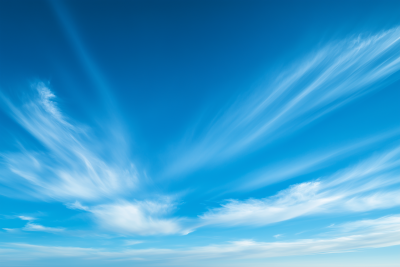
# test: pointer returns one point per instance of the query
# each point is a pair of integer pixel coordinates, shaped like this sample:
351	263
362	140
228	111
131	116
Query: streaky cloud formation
380	232
181	133
325	80
371	184
41	228
307	163
67	168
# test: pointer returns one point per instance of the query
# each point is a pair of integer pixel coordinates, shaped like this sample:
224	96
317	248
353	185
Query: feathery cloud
322	82
68	167
372	184
381	232
40	228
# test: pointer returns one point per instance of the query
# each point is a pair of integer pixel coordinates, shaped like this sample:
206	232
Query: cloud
52	251
73	164
73	168
371	184
382	223
33	227
381	232
140	218
46	102
77	206
135	218
26	218
308	163
11	230
40	228
320	83
132	242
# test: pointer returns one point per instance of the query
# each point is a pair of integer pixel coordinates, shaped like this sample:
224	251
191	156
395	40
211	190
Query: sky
199	133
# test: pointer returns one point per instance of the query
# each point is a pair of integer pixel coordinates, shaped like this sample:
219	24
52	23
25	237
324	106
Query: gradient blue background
153	77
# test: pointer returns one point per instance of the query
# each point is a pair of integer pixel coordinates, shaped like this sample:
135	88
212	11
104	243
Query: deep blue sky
237	133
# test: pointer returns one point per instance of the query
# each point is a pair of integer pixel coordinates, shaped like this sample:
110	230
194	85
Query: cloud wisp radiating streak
70	169
84	56
331	77
372	184
380	232
308	163
67	168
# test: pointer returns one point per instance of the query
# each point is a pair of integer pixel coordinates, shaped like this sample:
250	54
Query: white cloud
132	242
72	168
50	106
322	82
135	218
382	223
73	165
40	228
381	232
77	206
26	218
279	171
11	230
52	251
367	186
379	236
140	217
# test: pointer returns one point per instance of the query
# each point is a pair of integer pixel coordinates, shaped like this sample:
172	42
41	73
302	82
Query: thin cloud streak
324	81
33	227
85	58
306	164
381	232
372	184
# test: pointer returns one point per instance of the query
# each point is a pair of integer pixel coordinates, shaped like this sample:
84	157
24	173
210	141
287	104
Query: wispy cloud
26	218
140	218
371	184
381	232
34	227
40	228
322	82
132	242
11	230
70	166
382	223
71	169
51	251
77	206
308	163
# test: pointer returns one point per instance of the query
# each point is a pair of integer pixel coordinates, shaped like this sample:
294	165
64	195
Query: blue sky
199	133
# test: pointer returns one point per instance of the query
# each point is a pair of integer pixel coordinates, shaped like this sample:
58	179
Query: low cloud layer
380	232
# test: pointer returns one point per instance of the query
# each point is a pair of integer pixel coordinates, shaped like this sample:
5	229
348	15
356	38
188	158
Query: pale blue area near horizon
199	133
